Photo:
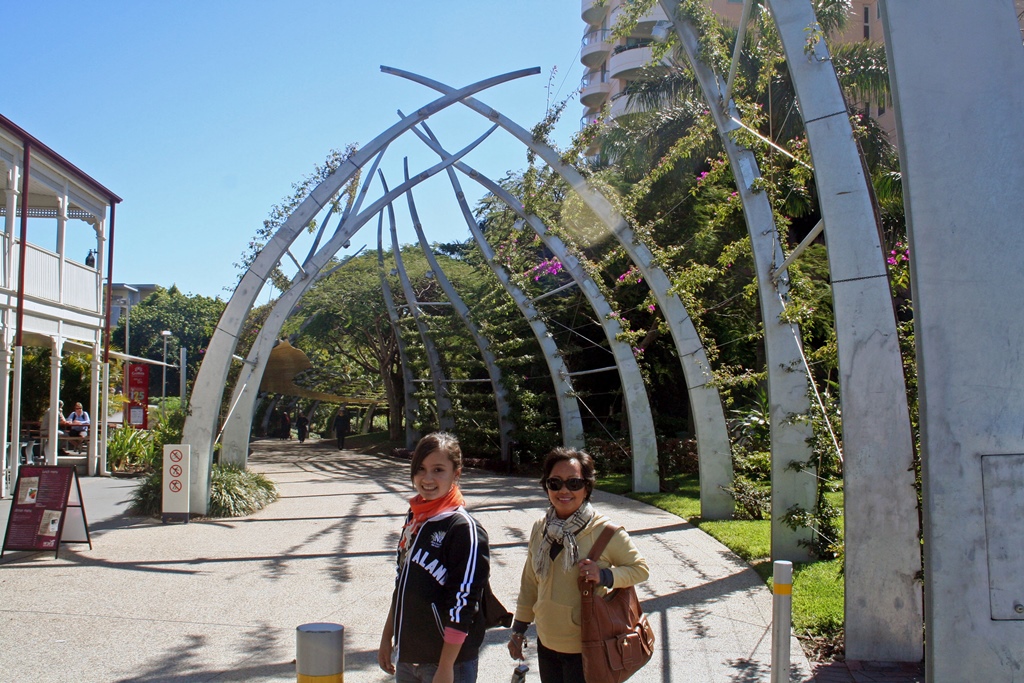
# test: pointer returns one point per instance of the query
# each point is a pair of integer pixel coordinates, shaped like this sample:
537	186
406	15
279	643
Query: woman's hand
589	571
516	645
384	656
444	675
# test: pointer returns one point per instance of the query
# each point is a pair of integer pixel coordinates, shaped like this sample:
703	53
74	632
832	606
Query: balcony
646	23
628	62
593	11
596	47
78	287
594	89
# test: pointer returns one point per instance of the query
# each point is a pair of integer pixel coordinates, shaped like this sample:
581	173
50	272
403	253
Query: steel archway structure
244	396
709	420
505	426
644	446
957	73
201	424
411	403
641	423
882	553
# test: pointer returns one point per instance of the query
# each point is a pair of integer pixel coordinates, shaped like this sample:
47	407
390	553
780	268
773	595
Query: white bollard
320	653
782	619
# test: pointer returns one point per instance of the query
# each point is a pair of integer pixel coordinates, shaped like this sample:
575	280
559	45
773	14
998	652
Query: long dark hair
438	441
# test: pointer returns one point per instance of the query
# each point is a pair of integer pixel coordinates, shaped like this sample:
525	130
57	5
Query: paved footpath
219	600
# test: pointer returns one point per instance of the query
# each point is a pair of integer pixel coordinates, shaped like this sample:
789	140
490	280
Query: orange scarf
422	510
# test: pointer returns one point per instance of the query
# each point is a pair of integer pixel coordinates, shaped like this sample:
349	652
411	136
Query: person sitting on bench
78	422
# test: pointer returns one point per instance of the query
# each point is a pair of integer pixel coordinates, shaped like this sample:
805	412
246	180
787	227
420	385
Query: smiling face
565	501
436	476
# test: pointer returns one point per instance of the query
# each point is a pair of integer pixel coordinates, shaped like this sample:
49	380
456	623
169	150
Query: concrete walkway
219	600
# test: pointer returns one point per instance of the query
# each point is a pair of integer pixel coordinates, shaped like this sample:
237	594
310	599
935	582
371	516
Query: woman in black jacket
435	627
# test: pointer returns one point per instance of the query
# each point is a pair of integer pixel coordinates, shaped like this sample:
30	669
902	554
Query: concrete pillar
884	610
92	448
62	224
16	413
6	467
957	72
52	426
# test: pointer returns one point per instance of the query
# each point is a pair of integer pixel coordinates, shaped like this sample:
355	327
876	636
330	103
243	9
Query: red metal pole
23	247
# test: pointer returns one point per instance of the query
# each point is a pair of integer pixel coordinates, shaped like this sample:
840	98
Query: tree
191	320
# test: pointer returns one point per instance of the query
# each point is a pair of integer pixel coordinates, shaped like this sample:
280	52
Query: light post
166	334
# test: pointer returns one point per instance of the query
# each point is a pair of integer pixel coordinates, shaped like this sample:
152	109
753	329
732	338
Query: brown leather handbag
617	640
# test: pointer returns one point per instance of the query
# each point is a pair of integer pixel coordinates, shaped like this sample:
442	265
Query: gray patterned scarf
561	532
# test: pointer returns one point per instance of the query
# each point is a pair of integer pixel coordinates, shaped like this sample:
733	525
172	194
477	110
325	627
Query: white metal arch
505	426
200	426
437	376
245	392
411	403
882	555
709	420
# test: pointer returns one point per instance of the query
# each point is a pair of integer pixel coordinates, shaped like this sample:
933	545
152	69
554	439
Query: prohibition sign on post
176	471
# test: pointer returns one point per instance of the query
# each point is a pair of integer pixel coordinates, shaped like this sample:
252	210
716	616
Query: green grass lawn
817	586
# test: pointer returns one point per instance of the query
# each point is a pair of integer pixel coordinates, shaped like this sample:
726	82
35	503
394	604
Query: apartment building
613	63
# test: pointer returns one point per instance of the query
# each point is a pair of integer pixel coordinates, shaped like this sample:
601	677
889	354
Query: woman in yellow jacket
549	593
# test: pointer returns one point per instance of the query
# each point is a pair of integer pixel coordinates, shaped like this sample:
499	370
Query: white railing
43	281
80	287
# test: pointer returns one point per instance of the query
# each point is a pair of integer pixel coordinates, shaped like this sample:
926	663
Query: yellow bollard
782	619
320	653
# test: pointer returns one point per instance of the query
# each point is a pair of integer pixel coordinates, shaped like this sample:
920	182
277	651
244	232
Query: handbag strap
602	541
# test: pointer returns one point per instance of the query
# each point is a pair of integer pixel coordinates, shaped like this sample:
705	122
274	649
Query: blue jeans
465	672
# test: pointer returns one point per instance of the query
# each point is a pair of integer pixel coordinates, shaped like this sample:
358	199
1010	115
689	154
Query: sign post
45	509
138	396
175	483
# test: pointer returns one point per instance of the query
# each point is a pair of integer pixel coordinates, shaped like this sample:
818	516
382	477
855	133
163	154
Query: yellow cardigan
554	602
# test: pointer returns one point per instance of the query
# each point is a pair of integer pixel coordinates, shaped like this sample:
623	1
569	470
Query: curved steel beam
882	553
709	420
306	277
957	74
411	403
505	426
788	383
204	407
568	407
638	408
238	427
247	386
437	377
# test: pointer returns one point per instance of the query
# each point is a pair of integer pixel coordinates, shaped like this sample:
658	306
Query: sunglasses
556	484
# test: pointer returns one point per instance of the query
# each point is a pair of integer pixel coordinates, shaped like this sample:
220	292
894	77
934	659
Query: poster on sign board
45	498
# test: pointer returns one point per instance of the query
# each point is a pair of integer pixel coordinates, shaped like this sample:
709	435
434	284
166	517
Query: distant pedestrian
342	426
286	426
302	426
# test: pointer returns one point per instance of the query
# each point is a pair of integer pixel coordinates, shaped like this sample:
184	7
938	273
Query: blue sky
201	115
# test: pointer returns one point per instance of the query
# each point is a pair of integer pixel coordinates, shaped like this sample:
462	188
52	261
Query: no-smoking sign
176	474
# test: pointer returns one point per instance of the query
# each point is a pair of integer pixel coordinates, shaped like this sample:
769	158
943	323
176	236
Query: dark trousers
559	667
341	440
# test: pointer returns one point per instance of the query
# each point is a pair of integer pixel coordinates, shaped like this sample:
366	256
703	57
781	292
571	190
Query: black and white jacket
440	585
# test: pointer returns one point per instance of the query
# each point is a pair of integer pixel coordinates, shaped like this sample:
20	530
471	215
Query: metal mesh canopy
284	364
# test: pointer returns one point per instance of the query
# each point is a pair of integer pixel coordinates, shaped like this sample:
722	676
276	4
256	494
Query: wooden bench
31	431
